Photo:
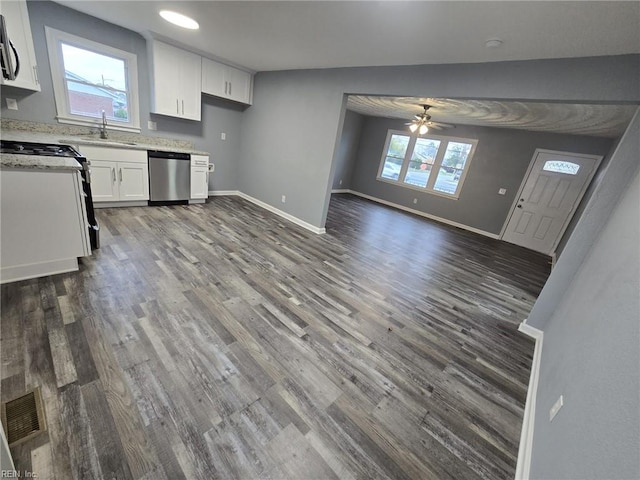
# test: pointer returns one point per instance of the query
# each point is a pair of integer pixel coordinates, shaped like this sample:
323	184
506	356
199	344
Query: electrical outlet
502	191
284	198
556	408
340	182
415	200
151	125
12	104
223	136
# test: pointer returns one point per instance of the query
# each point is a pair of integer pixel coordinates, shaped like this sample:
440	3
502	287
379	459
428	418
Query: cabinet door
239	87
190	85
19	31
199	182
133	179
166	79
104	186
213	78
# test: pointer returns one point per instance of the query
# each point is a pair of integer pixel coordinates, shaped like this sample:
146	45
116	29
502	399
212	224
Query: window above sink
89	78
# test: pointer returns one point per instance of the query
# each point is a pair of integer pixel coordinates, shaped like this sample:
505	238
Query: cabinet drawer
113	154
199	161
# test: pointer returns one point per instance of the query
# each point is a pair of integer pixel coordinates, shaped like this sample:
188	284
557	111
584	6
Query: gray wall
500	161
347	150
291	133
217	115
591	355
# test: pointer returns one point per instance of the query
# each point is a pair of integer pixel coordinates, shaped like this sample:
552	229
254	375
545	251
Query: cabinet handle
225	87
120	175
183	107
230	84
35	74
177	107
113	175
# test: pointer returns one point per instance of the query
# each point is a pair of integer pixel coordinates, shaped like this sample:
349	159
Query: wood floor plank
219	341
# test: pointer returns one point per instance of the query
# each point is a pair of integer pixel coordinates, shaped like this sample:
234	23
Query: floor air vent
23	418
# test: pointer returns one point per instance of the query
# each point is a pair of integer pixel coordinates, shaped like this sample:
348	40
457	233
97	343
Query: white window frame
56	63
435	168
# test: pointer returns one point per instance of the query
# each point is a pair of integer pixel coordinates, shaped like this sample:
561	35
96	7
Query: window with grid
431	163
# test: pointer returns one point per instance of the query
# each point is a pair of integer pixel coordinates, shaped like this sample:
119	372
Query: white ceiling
267	35
579	119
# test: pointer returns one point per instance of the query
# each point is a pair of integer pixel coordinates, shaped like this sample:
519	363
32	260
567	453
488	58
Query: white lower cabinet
118	175
199	177
103	181
43	223
133	181
119	181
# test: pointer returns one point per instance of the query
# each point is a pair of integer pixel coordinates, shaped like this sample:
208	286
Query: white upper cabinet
175	82
226	82
19	30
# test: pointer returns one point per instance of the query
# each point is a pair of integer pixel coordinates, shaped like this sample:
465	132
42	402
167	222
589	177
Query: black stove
55	150
30	148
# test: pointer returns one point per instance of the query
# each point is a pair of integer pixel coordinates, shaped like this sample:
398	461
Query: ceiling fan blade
435	127
441	125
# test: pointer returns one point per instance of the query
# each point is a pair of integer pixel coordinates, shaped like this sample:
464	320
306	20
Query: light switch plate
152	125
12	104
223	136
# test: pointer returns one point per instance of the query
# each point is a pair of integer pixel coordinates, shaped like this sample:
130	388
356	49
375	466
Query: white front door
551	192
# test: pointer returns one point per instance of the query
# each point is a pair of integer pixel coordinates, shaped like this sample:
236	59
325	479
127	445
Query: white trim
282	214
266	206
597	158
223	193
523	466
437	162
426	215
17	273
340	190
56	64
135	203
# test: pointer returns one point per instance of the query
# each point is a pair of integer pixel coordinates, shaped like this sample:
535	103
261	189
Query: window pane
452	167
89	100
395	156
93	81
559	166
86	66
422	158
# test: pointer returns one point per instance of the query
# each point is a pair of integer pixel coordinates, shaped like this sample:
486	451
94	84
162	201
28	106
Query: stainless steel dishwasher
169	178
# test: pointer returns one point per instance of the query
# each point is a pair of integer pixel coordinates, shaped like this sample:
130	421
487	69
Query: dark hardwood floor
221	341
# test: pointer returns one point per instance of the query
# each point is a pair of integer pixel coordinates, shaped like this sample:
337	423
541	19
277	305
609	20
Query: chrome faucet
103	129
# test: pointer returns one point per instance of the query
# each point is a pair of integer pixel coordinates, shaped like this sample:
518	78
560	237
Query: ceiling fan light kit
423	123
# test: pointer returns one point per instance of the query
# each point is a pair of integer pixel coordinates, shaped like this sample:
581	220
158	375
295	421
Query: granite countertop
107	143
38	162
95	140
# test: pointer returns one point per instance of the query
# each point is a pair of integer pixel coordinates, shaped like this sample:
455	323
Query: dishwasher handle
174	155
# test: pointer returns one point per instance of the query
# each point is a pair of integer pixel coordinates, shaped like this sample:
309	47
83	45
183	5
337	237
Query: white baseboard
523	465
271	208
35	270
422	214
222	193
341	190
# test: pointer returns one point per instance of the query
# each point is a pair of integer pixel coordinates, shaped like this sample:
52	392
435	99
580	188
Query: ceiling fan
423	123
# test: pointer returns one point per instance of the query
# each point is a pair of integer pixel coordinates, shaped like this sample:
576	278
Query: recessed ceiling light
179	19
493	43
